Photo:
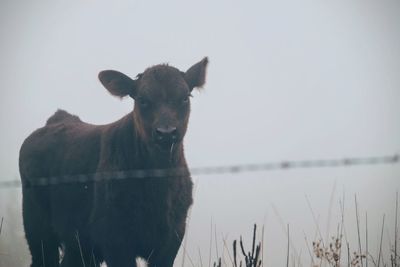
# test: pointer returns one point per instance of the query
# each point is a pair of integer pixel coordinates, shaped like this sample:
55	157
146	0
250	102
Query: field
252	248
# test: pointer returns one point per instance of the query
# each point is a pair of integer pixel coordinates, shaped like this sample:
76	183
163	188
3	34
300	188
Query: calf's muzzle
166	135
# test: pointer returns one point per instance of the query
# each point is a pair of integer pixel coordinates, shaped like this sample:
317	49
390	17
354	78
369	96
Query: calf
112	220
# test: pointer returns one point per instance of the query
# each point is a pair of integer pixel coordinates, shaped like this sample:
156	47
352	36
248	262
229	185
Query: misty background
287	80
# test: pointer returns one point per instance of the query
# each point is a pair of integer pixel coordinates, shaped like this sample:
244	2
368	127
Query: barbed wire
211	170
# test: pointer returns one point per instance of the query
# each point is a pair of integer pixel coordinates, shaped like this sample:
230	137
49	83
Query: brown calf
112	220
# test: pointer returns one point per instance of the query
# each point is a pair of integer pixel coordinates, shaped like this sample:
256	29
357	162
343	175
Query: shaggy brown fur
115	220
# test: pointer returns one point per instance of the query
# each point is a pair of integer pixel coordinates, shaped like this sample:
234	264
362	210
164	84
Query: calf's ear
195	76
117	83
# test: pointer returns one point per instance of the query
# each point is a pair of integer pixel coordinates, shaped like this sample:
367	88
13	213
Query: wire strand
209	170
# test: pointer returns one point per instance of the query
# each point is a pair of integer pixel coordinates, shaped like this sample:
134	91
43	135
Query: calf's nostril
174	132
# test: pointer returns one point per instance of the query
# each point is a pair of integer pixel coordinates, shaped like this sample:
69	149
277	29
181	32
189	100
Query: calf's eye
185	99
143	102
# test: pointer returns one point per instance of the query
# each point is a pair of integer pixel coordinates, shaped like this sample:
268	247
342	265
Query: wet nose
166	134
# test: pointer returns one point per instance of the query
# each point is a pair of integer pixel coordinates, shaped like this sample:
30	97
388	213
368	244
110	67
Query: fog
287	80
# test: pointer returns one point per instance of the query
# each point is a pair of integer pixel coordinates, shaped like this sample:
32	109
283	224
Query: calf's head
162	100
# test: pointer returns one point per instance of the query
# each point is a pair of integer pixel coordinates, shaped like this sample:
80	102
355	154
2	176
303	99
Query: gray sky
287	80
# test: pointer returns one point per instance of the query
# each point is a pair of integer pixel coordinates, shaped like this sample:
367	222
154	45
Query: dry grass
335	252
251	258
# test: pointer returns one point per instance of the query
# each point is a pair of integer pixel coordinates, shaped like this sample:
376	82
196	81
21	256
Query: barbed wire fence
210	170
